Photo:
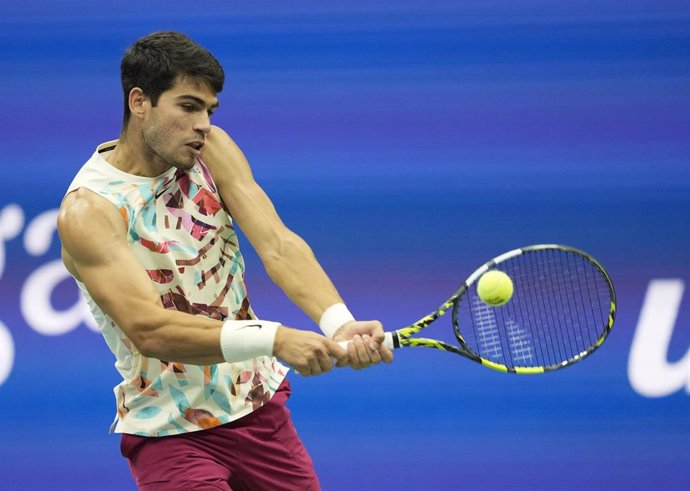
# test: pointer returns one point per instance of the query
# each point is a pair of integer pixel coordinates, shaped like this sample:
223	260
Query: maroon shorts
260	451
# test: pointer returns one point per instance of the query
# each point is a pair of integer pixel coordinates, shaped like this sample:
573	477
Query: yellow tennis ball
495	288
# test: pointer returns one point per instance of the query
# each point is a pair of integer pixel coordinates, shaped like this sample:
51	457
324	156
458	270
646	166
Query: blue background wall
407	143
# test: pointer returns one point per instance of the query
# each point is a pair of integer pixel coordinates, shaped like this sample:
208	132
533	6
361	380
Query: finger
308	368
324	360
338	352
360	354
303	371
314	367
352	359
377	333
373	355
386	354
335	349
352	353
372	343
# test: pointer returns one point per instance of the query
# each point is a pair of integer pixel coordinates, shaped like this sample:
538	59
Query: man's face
175	129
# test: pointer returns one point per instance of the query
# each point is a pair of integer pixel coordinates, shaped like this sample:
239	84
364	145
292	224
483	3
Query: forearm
176	336
294	268
180	337
288	260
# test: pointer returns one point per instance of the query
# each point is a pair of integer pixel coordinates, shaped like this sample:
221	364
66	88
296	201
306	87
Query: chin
185	165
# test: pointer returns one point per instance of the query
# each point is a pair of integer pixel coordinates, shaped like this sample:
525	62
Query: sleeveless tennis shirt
184	238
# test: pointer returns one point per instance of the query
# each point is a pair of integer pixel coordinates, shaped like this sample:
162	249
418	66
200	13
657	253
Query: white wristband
242	340
333	318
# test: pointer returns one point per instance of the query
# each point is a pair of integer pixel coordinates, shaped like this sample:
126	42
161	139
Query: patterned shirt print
182	235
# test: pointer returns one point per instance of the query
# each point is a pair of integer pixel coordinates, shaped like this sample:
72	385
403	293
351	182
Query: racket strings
558	312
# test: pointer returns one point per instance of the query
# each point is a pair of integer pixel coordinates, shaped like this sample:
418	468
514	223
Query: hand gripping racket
562	309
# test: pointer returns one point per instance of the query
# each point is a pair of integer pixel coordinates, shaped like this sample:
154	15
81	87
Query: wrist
243	340
333	318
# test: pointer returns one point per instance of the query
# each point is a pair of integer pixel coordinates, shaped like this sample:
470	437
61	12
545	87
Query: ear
138	102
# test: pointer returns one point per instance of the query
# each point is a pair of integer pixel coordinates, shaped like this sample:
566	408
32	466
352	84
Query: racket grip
387	341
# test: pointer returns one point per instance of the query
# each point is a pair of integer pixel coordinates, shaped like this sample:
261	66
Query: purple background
407	143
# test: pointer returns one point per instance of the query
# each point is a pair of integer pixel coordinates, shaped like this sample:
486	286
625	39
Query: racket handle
387	341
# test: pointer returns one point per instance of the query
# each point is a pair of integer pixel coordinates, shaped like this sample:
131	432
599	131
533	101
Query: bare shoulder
82	206
224	158
86	220
218	137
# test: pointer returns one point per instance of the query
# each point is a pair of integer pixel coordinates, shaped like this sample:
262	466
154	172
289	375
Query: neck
133	156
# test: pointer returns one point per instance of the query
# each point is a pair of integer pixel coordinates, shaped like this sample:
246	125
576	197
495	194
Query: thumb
336	350
376	331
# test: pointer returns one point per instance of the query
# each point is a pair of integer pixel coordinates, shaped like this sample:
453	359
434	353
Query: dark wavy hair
154	61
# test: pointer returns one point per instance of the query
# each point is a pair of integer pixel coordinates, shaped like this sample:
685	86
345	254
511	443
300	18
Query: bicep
94	239
257	217
121	288
246	201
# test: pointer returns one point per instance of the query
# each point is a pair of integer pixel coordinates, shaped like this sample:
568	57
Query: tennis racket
562	309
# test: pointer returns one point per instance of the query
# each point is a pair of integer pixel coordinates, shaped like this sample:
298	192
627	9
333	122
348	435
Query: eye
187	107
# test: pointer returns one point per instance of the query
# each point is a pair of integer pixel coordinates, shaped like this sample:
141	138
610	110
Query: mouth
196	146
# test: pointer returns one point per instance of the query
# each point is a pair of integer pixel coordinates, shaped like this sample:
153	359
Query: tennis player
147	228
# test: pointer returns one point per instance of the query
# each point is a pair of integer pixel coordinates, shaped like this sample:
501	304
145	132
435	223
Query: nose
203	124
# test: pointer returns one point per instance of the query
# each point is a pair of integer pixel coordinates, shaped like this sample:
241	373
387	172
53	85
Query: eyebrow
198	100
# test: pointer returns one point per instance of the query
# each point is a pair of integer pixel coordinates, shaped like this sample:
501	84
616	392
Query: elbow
288	251
144	333
150	348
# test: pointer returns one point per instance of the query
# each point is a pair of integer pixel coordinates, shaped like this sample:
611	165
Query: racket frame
402	338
